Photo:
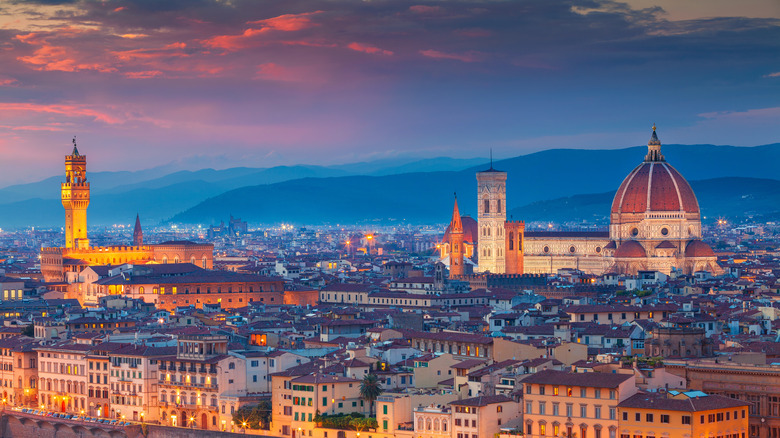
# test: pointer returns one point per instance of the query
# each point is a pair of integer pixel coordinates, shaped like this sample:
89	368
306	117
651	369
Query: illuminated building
63	264
655	224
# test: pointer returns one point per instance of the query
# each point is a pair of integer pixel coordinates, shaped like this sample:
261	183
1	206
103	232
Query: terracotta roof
593	380
697	248
630	248
482	401
654	185
686	404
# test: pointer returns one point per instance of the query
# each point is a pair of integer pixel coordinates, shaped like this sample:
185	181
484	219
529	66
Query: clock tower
75	199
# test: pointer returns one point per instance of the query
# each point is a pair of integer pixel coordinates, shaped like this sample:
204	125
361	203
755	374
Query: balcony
162	367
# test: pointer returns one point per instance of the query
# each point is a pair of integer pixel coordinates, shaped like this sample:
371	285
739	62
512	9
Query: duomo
655	224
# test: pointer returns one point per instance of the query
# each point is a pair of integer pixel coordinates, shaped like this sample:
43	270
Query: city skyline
213	84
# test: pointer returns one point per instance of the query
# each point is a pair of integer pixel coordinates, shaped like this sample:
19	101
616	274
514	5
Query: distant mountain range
558	185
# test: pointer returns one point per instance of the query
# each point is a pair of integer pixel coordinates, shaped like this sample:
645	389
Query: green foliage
29	331
353	421
370	390
255	416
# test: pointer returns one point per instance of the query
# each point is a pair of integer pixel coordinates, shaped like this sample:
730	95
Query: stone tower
75	199
515	233
456	243
491	205
138	233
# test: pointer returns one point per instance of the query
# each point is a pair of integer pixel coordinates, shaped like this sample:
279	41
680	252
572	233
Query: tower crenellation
75	199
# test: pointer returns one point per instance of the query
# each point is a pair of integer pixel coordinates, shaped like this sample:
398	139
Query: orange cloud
464	57
368	49
49	57
284	23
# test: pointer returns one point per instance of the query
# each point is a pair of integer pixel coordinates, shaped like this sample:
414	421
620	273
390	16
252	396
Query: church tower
75	199
138	234
491	205
456	243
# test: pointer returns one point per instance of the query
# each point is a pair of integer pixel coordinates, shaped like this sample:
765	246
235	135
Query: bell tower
75	199
491	205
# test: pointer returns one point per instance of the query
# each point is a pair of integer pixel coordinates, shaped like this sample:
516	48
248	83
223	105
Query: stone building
655	224
61	264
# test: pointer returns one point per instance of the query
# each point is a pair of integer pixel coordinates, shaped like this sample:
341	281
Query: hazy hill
719	197
314	194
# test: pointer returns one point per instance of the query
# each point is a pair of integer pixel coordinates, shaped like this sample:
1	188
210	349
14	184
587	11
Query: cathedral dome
470	230
697	248
654	186
630	248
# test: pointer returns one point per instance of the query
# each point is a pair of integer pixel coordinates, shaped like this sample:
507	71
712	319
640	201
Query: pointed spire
75	148
138	233
654	148
456	225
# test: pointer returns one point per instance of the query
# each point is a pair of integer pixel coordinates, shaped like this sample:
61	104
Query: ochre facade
62	264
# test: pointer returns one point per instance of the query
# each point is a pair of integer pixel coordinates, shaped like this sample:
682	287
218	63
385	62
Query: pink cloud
424	9
143	74
368	49
284	23
464	57
773	75
168	51
63	109
288	22
6	81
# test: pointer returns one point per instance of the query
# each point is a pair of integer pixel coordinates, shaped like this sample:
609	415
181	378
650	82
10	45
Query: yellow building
690	414
64	264
582	405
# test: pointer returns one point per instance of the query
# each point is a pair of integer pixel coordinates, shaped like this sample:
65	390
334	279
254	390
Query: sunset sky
261	83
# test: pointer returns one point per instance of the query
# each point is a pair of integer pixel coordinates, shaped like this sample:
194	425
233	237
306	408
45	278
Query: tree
29	331
254	416
370	389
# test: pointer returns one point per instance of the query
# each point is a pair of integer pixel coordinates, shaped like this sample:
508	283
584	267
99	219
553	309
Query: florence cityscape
390	218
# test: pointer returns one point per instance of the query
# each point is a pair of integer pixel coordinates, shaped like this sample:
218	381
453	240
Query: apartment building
62	377
680	414
585	404
482	416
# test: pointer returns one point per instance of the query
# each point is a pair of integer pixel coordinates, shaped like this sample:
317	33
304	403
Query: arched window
511	241
444	425
192	260
165	259
420	424
486	205
204	262
141	289
428	424
436	424
498	206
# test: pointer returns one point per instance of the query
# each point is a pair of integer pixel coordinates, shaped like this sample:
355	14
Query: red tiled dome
697	248
630	248
654	186
470	230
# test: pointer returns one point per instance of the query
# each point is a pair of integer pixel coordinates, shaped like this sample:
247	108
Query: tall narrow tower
491	205
138	233
75	199
456	243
